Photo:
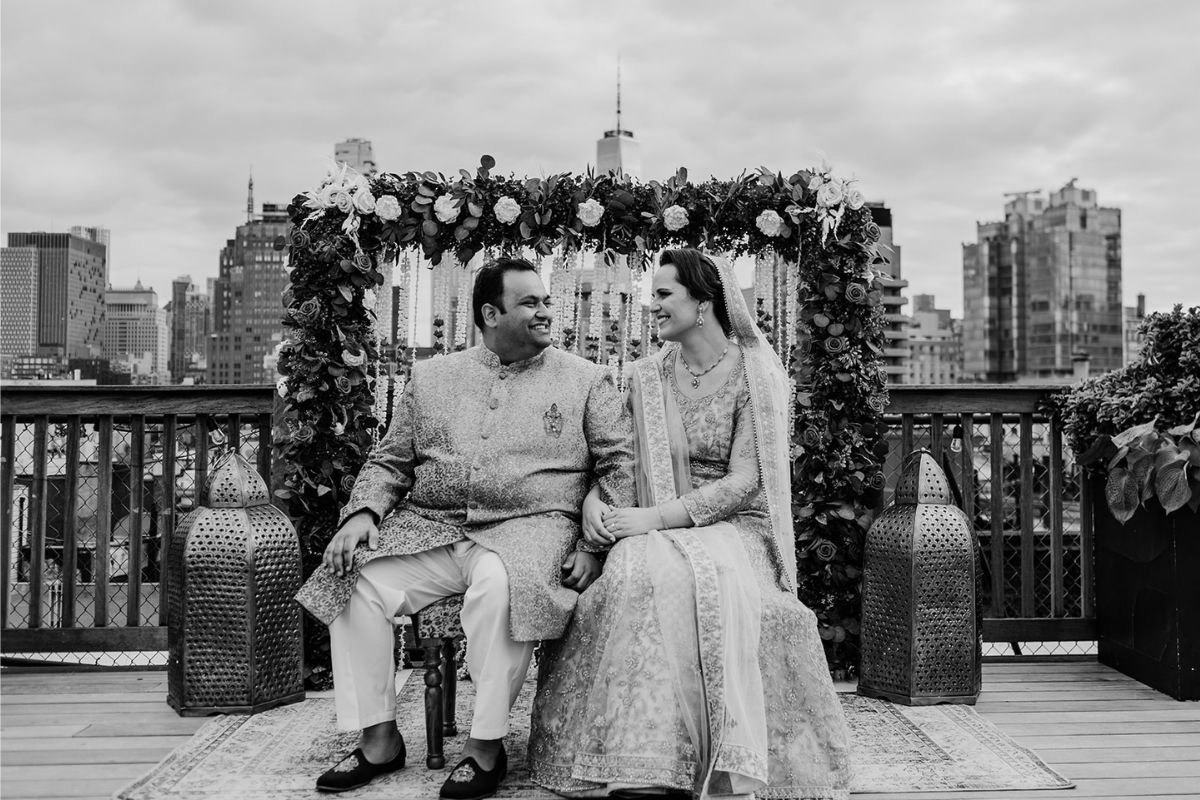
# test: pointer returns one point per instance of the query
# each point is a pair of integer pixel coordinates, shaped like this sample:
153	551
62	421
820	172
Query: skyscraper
18	304
72	273
191	324
246	306
95	234
616	150
895	348
934	344
358	153
136	335
1042	289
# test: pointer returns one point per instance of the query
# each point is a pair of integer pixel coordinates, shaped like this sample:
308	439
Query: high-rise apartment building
1134	317
895	348
18	304
191	324
247	311
358	153
136	334
1042	289
72	273
934	344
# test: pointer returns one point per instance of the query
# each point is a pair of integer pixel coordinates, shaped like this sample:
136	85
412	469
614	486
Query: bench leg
433	704
450	683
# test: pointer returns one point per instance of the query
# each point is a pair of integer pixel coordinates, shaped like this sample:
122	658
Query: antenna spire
250	197
618	95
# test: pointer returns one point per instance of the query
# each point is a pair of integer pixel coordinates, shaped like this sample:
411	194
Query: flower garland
812	227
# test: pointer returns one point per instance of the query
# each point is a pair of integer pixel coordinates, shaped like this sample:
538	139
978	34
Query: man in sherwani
476	489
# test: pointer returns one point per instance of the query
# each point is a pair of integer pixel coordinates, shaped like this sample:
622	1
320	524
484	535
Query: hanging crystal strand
556	299
462	313
634	329
793	305
595	333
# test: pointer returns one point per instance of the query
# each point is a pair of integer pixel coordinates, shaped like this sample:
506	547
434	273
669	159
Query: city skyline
973	101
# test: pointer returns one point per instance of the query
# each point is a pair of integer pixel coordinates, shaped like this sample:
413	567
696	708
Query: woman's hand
623	522
594	509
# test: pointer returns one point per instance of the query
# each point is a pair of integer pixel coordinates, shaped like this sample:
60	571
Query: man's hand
579	570
339	555
623	522
594	532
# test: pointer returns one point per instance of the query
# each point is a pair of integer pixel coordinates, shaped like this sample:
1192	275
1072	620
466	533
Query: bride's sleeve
735	491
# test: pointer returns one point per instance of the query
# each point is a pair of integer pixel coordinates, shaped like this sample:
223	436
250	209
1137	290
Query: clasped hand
603	524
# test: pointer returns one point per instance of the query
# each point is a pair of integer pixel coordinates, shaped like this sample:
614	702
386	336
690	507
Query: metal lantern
921	641
233	632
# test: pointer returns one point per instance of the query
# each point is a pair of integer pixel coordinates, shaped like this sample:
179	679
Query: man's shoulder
444	364
563	361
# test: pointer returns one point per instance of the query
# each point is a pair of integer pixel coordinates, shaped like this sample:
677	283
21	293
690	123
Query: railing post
104	472
8	431
133	568
1028	582
37	521
170	432
999	601
1057	591
70	553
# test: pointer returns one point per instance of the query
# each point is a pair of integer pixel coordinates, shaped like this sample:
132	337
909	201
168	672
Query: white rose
830	194
769	223
590	212
855	200
675	218
445	209
281	387
353	359
342	200
387	208
364	201
506	210
369	298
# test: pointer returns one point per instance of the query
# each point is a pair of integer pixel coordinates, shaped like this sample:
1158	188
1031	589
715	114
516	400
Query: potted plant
1136	431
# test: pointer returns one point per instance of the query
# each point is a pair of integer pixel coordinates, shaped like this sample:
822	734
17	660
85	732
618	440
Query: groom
476	489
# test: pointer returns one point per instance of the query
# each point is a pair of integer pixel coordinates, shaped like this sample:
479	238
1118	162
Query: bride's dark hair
699	275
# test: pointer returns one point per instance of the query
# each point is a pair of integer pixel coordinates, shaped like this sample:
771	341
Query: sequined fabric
606	715
501	455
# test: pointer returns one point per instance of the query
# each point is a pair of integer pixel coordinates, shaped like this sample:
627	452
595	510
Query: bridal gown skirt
606	714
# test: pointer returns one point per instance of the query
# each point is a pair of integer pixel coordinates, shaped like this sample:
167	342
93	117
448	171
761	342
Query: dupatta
722	701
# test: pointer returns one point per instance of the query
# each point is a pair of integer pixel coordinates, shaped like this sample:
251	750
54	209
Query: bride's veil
770	403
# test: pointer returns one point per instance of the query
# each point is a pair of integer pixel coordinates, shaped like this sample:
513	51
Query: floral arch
816	284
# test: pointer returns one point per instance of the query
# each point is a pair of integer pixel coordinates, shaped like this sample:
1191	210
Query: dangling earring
700	317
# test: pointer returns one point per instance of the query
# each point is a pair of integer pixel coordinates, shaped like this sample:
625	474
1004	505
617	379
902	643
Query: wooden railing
93	480
1028	504
90	579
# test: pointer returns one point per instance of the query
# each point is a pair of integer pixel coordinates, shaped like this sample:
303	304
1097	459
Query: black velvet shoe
469	781
354	771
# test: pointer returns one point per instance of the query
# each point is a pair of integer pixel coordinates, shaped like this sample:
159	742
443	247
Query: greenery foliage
1139	424
352	224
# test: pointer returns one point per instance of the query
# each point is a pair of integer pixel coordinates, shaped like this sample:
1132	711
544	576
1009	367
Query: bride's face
674	309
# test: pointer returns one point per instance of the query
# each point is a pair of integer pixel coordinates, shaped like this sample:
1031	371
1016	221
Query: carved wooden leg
450	680
433	704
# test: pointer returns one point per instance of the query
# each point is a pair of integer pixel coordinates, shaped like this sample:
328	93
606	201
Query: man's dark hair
489	284
699	275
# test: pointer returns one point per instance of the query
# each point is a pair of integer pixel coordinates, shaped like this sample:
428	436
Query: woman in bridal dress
690	667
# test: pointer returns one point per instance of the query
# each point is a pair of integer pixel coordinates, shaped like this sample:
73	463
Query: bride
690	667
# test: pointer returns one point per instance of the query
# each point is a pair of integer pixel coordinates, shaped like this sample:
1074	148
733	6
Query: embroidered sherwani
502	456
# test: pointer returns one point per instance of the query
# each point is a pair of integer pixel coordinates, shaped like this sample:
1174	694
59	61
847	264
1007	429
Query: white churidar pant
361	637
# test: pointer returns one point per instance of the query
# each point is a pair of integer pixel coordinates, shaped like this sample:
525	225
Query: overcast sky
145	116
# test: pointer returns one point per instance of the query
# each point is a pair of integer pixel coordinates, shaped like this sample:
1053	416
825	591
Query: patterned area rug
278	754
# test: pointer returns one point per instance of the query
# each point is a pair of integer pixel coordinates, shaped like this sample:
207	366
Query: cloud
146	115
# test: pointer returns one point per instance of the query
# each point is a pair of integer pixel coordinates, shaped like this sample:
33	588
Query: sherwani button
503	375
493	403
484	435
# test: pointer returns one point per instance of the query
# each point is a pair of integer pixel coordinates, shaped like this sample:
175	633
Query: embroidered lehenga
690	663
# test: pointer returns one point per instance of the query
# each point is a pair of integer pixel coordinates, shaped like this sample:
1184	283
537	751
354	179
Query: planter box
1148	596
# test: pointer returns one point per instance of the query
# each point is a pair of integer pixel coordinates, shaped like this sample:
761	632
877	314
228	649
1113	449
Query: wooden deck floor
84	735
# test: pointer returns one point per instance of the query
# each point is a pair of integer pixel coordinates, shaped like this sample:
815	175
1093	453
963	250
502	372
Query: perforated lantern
233	632
921	642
